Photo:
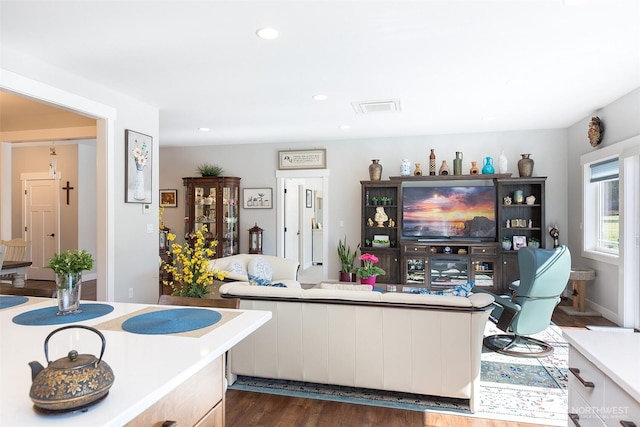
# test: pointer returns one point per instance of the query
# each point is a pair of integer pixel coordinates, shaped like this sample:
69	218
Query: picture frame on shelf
309	198
257	198
138	167
169	198
519	242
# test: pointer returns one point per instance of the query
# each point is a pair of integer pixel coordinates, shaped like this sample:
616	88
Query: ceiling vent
380	106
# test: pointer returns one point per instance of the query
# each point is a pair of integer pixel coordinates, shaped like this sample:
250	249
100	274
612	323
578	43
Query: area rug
511	389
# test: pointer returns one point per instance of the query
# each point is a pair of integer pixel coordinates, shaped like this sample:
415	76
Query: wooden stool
579	278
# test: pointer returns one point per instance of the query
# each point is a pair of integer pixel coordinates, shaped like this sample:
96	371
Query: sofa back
283	268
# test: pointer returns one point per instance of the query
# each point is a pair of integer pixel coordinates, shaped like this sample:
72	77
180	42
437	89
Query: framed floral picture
138	162
257	198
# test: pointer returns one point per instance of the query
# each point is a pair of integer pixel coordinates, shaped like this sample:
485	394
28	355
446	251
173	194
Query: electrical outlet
149	228
130	293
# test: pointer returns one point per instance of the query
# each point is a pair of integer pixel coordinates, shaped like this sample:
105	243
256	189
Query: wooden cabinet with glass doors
214	202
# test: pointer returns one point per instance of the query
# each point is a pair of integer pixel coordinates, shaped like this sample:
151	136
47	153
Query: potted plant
506	243
207	169
68	266
347	257
368	271
534	242
189	269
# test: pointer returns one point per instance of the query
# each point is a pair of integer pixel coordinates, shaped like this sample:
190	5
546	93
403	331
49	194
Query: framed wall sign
302	159
138	162
169	198
257	198
519	242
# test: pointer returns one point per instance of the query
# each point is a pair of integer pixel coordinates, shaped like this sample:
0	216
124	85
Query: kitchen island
177	377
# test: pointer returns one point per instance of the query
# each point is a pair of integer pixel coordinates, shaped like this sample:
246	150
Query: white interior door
291	220
41	224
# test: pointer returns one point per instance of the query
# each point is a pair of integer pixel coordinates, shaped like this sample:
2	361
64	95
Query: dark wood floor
244	409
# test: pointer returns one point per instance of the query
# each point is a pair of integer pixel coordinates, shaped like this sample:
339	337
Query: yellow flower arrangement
189	269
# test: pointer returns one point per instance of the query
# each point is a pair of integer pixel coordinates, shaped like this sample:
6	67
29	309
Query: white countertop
146	367
614	353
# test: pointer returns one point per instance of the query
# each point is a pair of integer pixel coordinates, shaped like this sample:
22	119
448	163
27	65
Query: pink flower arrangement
368	268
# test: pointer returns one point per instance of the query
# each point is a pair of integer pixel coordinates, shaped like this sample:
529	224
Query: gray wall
621	122
348	162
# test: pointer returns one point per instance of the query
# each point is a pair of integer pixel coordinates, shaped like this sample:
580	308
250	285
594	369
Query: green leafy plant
207	169
346	256
71	261
368	268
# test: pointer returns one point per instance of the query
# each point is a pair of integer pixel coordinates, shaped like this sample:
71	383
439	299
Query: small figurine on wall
554	233
596	131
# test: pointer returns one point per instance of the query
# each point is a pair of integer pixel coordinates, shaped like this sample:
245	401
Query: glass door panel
415	270
451	271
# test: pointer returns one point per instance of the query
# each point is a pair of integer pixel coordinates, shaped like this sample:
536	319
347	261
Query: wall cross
67	189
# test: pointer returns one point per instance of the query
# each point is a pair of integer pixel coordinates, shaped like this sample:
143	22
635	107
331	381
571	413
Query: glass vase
68	290
488	168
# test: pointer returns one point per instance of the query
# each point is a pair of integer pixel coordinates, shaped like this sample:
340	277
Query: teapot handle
89	328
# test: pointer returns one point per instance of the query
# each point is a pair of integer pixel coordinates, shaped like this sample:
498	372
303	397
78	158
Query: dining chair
199	302
15	250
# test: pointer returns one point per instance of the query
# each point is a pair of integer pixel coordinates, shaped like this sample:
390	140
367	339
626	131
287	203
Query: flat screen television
447	212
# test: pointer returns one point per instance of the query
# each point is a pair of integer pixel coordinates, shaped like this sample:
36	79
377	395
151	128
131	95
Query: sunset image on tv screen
449	212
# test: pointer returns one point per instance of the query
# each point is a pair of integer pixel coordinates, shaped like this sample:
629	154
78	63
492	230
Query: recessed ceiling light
345	127
204	129
320	97
267	33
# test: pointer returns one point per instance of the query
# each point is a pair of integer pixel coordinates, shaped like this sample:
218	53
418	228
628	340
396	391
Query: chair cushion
259	271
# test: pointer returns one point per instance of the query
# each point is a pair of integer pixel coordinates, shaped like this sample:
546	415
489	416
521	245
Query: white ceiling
448	62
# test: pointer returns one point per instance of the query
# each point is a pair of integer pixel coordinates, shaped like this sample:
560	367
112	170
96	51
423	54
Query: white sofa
411	343
284	270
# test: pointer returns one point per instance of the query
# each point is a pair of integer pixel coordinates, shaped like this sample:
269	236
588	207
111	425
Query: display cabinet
379	234
214	202
521	220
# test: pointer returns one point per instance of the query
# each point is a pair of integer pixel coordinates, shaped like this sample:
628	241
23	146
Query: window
602	230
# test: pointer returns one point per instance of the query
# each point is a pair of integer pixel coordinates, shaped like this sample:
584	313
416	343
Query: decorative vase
444	168
518	197
474	168
375	170
432	163
506	245
68	290
525	165
138	186
405	167
502	163
371	280
418	171
457	164
488	168
347	277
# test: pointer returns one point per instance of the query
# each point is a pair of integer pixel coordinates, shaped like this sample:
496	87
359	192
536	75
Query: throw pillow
236	268
462	290
259	271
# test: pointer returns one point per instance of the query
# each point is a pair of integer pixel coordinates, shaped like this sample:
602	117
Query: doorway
302	212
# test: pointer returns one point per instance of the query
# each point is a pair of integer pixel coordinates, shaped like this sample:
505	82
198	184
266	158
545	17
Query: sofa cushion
346	287
260	272
236	268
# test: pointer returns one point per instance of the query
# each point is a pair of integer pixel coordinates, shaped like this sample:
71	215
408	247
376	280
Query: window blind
605	171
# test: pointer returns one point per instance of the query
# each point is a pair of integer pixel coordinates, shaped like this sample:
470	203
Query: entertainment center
446	230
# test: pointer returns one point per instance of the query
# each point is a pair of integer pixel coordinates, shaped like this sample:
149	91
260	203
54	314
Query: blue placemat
47	316
171	321
11	300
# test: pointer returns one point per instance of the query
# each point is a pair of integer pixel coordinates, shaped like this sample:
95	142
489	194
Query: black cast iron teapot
73	382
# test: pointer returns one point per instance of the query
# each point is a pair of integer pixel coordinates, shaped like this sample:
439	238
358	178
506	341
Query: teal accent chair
544	274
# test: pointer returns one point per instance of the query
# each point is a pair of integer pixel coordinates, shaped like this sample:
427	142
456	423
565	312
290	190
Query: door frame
281	176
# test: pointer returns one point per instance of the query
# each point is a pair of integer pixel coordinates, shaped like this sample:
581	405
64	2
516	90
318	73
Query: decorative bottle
405	167
418	171
502	163
432	163
375	170
488	168
457	164
474	168
444	168
525	165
